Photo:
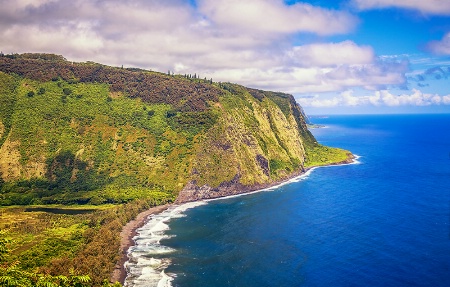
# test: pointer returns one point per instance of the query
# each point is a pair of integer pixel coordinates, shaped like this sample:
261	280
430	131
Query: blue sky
335	57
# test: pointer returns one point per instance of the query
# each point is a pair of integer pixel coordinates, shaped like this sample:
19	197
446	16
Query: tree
12	275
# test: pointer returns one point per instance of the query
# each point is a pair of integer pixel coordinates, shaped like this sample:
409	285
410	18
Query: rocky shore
192	192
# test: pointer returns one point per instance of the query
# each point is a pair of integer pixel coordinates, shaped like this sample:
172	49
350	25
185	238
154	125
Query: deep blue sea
384	221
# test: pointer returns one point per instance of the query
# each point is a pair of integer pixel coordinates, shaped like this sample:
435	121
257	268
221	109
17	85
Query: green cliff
119	141
86	133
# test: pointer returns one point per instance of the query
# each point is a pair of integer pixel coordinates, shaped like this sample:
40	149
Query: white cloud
379	98
348	98
298	79
331	54
446	100
436	7
440	47
316	102
273	16
69	41
217	39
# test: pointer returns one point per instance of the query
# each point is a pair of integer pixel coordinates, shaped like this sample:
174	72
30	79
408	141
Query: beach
126	240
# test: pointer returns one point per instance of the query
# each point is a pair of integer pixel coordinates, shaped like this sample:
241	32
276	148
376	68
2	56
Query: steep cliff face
253	144
88	133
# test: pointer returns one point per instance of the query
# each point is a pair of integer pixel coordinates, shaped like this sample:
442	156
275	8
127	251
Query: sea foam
148	258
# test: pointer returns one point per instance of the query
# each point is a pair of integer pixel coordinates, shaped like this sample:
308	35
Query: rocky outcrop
192	192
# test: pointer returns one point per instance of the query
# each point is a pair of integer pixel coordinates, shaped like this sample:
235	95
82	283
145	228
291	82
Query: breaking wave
148	258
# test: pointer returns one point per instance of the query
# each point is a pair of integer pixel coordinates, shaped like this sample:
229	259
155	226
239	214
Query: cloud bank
249	42
435	7
266	17
378	98
441	47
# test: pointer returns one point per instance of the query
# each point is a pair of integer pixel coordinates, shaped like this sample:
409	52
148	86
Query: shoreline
126	240
191	192
130	229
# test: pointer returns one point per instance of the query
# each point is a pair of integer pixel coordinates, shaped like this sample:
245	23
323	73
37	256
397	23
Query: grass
55	243
320	155
41	236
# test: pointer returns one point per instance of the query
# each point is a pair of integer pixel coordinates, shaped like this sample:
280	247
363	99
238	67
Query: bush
67	91
170	114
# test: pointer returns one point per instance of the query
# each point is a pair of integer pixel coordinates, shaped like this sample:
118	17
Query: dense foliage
85	133
121	140
64	241
181	93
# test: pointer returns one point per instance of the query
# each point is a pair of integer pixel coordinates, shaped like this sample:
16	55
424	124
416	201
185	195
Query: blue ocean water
382	222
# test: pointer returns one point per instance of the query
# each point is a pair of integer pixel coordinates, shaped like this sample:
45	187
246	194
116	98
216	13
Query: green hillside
85	133
85	147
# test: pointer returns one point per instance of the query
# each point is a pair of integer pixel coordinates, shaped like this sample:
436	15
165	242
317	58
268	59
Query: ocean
383	221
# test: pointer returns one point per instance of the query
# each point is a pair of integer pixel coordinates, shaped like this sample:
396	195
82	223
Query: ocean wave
147	259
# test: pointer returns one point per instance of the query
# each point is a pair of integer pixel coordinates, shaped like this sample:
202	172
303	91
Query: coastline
126	240
191	192
130	229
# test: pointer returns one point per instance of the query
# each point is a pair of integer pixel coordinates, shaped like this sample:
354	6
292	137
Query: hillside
78	133
85	147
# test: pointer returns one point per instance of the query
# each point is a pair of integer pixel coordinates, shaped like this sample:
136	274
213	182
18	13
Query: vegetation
117	141
184	94
63	242
322	155
82	143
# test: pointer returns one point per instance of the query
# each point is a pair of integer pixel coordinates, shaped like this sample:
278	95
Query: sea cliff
122	140
86	133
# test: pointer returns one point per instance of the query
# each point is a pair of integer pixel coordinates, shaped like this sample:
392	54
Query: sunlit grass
322	155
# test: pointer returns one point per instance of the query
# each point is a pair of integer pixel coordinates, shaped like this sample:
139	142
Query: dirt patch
10	167
2	129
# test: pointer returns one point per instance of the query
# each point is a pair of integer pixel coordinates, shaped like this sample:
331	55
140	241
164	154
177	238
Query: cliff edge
86	133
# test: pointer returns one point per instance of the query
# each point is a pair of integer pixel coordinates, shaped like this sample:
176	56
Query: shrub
67	91
170	114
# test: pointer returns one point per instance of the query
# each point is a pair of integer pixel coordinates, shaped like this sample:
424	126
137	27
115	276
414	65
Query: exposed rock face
263	163
10	167
193	192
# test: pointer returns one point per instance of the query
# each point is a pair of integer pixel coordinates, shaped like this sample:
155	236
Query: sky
335	57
